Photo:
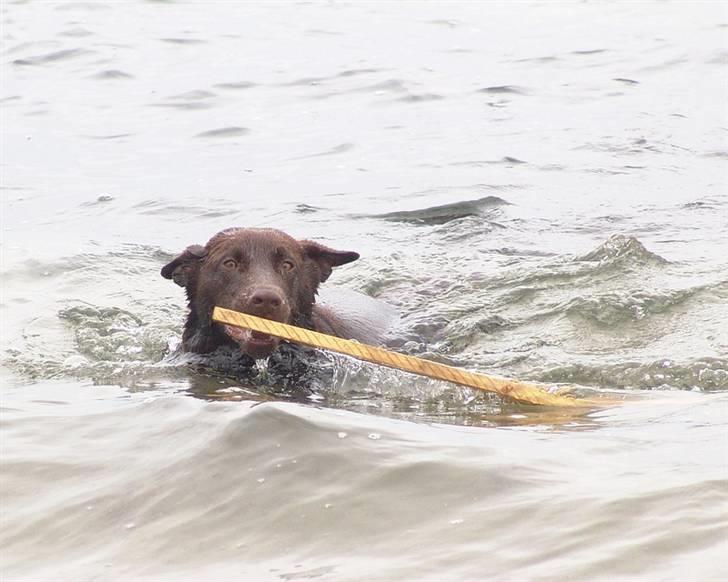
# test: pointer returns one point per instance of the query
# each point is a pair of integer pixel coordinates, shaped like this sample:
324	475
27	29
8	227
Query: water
538	189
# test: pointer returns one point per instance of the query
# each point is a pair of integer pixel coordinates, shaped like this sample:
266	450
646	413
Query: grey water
539	189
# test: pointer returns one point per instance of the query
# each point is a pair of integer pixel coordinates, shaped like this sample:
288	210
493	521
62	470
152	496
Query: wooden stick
513	389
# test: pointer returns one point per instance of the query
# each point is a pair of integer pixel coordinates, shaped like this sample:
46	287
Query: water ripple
49	58
231	131
444	213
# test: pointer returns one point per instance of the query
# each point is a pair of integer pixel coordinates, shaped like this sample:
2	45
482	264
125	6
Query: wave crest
622	248
704	374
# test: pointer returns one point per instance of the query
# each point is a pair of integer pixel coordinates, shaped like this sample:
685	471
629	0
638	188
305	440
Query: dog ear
179	268
326	258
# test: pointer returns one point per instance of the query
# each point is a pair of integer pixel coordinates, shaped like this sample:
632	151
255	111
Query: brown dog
262	272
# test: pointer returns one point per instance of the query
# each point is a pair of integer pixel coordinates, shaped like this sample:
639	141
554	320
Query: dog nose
266	300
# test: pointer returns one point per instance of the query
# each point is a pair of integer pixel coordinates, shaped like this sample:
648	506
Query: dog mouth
254	343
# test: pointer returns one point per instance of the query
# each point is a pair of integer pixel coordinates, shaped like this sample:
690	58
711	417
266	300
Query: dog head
262	272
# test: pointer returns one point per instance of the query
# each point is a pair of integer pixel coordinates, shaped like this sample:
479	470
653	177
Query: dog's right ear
179	268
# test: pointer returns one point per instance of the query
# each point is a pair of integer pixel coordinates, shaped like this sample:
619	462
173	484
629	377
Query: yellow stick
519	391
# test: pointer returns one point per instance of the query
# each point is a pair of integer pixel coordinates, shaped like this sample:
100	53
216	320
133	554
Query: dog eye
288	265
229	263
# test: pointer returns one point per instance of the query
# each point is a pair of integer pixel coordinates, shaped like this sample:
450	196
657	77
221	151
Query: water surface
538	189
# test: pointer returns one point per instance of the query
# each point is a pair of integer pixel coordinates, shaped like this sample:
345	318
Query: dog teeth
236	333
241	335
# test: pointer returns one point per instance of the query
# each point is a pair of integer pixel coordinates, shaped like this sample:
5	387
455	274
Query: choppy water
539	189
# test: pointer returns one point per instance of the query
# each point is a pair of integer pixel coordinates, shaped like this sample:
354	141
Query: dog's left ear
326	258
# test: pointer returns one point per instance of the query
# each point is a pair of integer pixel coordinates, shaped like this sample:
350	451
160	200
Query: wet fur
267	263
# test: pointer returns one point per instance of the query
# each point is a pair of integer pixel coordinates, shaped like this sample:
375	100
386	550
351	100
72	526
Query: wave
435	215
105	344
488	322
703	374
622	248
619	255
176	489
617	307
